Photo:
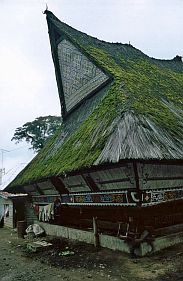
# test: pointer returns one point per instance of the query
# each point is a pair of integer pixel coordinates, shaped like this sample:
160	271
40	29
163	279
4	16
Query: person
57	209
1	222
135	243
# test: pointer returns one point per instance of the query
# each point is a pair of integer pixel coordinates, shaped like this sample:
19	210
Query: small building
12	209
119	153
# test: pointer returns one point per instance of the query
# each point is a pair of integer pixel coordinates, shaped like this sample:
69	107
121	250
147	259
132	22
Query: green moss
139	84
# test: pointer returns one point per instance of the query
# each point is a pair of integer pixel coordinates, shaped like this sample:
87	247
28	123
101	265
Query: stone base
112	242
38	246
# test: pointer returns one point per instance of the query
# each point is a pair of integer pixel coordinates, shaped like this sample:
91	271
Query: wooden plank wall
156	176
8	221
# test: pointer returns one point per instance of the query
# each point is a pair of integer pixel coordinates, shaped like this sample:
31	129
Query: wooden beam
164	178
95	232
138	190
91	183
59	185
113	181
38	189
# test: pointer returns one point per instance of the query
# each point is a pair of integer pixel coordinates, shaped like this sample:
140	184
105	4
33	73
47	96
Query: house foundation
115	243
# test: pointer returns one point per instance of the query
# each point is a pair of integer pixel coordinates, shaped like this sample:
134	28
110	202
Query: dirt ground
73	261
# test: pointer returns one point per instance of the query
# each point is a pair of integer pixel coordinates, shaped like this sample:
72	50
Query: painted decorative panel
123	198
109	198
161	196
79	75
42	199
115	198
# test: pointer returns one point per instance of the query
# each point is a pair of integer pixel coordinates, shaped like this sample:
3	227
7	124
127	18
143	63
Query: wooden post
95	232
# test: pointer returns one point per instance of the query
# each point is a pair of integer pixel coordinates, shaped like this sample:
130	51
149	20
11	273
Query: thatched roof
136	114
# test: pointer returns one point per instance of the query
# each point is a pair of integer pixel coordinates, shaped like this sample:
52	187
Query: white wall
8	221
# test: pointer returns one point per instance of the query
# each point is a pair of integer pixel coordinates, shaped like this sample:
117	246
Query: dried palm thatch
138	114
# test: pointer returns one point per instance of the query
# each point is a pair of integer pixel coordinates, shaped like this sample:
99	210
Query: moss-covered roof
139	115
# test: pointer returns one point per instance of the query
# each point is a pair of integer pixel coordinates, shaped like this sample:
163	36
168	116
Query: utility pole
2	169
2	172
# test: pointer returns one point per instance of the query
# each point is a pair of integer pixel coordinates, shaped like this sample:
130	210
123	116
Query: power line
2	169
13	172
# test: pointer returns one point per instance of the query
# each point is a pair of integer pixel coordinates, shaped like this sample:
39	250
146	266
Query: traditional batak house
119	153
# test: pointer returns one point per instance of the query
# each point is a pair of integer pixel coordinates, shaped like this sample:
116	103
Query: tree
38	131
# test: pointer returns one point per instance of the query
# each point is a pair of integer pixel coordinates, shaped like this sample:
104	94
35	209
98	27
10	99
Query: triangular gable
77	76
80	77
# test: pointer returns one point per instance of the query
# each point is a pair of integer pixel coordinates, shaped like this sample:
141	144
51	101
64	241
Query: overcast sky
27	81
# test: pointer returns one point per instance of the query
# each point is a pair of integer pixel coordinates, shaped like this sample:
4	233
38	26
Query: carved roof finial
45	11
